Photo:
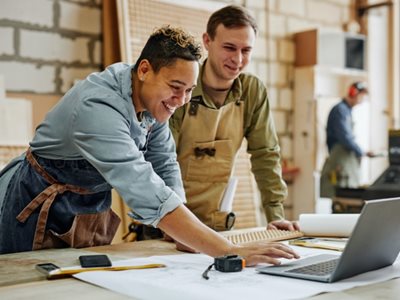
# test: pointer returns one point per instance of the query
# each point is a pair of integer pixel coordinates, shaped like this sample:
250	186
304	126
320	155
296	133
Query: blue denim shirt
340	128
96	121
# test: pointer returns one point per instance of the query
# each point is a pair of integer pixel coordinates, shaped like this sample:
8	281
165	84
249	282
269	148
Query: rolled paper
338	225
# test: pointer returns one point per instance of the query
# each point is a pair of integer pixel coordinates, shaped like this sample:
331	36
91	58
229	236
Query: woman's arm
183	226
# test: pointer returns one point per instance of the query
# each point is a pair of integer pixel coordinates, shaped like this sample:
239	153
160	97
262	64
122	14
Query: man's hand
371	154
284	225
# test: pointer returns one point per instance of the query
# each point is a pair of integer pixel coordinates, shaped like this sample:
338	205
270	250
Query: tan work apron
206	157
341	169
87	229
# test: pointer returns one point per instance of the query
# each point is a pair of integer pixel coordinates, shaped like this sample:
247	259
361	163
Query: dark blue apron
70	206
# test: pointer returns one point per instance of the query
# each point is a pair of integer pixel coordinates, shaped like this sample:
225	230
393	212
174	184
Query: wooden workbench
19	279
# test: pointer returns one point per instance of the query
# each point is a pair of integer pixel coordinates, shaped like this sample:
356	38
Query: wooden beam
111	49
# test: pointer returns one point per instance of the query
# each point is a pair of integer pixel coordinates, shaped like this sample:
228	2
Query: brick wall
47	44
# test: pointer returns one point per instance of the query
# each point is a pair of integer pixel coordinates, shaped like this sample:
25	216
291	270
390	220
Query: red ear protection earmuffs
352	91
355	88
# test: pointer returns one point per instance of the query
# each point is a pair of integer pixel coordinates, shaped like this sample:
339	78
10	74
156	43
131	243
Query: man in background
342	167
226	106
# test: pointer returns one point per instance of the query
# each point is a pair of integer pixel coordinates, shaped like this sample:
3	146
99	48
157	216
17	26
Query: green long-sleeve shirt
259	130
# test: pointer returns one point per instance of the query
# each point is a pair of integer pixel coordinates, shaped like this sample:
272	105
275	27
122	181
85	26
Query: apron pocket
87	230
213	162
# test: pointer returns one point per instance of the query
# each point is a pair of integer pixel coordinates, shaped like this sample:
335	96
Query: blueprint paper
182	279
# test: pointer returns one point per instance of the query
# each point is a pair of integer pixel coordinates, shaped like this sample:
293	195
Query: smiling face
229	52
163	92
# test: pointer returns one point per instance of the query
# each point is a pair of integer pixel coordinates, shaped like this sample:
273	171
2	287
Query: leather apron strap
46	199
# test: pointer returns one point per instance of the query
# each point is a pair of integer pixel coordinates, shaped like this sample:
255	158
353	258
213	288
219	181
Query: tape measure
227	263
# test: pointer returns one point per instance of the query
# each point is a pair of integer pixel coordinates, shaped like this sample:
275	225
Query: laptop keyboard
318	269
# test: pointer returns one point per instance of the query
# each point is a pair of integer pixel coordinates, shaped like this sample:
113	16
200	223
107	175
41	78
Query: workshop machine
387	185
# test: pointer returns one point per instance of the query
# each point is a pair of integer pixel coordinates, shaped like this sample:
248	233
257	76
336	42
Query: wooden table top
20	280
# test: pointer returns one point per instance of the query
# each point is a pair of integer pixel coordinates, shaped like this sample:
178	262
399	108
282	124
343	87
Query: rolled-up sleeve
102	134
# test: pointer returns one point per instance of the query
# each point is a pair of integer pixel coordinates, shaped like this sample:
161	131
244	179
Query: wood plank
111	48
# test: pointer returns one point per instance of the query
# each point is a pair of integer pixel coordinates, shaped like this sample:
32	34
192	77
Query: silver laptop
373	244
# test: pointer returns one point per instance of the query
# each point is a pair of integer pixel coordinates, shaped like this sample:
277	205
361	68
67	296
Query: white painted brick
286	51
251	67
69	75
280	121
80	18
273	97
342	2
296	25
272	51
97	52
324	11
2	88
51	46
38	12
271	5
7	41
259	50
82	1
345	15
262	72
285	99
265	67
278	74
28	77
261	19
331	27
292	7
208	5
251	4
286	147
277	25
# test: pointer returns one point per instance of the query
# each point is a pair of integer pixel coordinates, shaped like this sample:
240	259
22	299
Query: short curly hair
166	45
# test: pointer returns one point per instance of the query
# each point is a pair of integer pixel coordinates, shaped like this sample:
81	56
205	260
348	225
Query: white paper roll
339	225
